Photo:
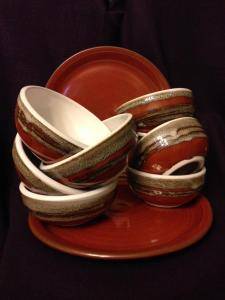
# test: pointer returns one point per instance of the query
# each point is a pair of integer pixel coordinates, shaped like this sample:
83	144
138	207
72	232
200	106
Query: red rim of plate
39	230
82	55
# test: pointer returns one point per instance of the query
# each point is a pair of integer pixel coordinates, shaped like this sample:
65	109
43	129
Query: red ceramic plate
130	230
103	78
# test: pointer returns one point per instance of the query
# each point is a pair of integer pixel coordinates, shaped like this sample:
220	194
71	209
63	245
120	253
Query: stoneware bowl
99	164
156	108
70	209
33	177
53	126
164	190
179	146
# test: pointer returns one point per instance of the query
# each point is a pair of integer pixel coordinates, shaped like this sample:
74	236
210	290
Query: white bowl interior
88	195
39	174
197	162
64	116
114	124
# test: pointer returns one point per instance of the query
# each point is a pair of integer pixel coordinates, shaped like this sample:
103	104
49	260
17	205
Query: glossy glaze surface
130	230
112	76
53	126
166	191
69	210
32	176
156	108
168	144
100	164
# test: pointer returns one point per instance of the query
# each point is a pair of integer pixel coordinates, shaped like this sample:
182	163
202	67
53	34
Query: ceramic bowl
97	165
156	108
54	126
33	177
179	146
70	209
164	190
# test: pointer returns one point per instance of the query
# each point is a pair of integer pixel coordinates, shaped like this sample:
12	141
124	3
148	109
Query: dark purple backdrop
186	40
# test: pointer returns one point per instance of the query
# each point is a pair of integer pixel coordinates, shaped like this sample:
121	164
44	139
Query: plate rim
158	75
89	51
33	222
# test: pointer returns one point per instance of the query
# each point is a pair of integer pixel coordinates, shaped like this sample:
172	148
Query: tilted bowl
33	177
53	126
69	210
99	164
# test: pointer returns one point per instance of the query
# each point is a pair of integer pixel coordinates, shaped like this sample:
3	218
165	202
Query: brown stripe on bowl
70	209
42	141
52	125
164	190
156	108
168	144
34	178
97	165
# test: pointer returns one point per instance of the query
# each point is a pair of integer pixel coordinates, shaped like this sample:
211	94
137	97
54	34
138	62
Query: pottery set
80	156
166	168
90	144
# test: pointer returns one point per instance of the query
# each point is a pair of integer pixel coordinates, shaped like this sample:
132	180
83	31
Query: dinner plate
102	78
131	229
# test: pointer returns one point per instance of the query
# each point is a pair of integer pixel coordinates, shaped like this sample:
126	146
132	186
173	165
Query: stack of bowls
166	168
67	159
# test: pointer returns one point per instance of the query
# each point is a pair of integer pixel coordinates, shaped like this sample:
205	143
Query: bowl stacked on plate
166	168
67	159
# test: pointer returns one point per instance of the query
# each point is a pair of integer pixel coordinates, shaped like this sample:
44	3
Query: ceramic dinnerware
69	210
54	126
97	165
131	230
154	109
33	177
166	190
177	145
111	75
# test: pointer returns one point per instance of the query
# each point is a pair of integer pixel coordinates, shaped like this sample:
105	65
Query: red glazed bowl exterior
98	165
168	144
154	109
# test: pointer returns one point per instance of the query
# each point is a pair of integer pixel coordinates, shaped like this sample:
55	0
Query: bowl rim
132	101
129	117
195	159
168	177
59	187
87	195
23	97
147	134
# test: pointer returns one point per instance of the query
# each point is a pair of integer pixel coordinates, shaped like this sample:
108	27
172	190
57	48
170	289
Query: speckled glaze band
68	211
156	108
26	176
97	165
170	143
76	217
34	178
46	144
166	191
